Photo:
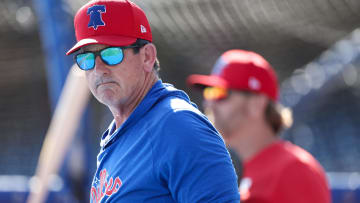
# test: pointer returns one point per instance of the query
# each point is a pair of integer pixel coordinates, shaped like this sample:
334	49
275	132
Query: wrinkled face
116	85
229	113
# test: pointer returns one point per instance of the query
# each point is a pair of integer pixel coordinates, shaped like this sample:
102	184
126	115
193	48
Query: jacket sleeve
193	160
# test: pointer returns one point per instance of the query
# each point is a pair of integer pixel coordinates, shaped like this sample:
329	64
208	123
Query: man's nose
207	103
100	66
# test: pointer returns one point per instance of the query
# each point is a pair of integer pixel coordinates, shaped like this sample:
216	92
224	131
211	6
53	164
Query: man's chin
106	98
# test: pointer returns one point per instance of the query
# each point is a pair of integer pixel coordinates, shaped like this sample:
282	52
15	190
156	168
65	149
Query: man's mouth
104	83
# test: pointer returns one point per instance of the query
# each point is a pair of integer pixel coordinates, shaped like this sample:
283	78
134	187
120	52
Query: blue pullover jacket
166	151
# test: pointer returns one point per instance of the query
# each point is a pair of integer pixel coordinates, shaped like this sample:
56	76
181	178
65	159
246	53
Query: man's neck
122	112
252	140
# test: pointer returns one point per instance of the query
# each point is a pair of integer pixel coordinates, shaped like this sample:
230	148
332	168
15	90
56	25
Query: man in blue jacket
159	147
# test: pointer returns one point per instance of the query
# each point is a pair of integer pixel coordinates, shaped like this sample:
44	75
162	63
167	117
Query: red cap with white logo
110	22
240	70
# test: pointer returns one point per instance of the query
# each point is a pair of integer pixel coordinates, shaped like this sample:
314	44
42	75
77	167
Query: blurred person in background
241	94
159	147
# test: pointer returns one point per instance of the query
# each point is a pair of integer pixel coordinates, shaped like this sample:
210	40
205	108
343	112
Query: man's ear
150	54
257	105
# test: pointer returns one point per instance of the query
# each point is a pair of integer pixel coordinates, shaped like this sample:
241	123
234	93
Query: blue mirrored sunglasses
110	56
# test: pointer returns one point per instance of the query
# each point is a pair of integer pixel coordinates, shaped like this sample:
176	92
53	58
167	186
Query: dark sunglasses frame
245	93
98	53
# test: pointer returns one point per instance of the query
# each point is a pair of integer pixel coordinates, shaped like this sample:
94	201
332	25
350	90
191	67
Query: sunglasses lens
214	93
112	55
85	61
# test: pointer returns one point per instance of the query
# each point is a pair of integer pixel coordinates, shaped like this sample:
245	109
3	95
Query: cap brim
111	40
202	81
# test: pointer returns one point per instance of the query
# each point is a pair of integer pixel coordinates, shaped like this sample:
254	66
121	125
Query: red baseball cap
110	22
240	70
